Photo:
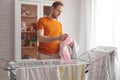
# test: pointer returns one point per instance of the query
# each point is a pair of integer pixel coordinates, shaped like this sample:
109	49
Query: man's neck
51	17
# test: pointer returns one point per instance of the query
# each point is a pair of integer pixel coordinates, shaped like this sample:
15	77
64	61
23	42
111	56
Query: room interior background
90	22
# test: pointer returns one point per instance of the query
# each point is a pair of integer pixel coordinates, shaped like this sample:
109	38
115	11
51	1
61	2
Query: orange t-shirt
51	28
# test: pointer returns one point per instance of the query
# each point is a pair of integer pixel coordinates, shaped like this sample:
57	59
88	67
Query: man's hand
71	44
63	37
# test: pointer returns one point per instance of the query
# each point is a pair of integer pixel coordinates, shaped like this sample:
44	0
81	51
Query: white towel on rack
58	72
44	73
74	51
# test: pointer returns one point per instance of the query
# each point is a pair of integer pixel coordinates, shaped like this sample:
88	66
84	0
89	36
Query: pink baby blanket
64	52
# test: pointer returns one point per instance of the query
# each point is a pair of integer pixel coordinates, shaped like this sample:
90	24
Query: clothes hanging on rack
101	60
50	70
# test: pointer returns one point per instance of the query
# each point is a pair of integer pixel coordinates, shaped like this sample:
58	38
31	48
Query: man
49	33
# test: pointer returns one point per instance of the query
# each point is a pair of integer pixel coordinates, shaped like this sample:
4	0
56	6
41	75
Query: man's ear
52	8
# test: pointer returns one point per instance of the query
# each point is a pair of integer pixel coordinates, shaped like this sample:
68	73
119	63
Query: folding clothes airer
9	68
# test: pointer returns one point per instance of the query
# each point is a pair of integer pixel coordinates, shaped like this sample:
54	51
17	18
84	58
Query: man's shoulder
43	18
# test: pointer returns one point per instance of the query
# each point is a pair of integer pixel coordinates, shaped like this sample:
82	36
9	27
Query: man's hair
57	3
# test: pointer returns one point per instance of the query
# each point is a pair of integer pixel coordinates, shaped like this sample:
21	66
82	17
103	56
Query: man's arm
42	38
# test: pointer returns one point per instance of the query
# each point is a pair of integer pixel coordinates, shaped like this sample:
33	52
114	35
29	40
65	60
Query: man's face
57	11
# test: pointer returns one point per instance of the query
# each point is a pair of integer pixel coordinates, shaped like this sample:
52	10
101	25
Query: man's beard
54	17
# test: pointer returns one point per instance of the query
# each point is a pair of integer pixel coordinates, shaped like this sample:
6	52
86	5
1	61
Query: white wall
70	20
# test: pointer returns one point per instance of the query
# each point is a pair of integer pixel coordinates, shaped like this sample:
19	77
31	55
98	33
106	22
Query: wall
70	20
5	34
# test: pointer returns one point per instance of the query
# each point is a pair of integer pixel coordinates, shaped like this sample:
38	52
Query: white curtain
100	26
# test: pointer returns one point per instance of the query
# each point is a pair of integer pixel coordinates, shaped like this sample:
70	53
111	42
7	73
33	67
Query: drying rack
85	58
9	69
104	54
11	66
41	64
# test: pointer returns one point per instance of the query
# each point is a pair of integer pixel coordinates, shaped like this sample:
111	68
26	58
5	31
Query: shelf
28	16
29	47
29	32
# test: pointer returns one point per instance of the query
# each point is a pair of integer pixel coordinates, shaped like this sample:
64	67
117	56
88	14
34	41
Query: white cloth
74	51
45	73
61	72
110	60
102	63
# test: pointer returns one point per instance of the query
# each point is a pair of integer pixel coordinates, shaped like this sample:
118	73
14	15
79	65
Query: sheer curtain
101	24
106	23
